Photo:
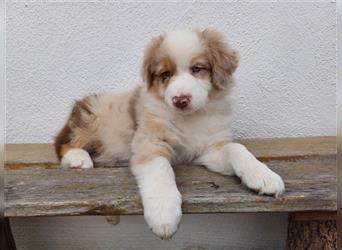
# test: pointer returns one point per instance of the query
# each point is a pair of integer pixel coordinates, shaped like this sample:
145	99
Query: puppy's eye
195	69
166	74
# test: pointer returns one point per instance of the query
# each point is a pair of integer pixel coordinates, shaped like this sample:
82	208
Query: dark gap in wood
6	237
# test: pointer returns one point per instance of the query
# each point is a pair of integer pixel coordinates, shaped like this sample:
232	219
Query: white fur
235	158
182	45
217	161
161	198
77	158
186	84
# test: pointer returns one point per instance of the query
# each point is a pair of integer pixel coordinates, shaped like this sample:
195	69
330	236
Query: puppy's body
181	114
103	125
110	121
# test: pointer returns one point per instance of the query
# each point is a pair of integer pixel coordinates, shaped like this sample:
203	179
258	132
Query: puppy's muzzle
181	101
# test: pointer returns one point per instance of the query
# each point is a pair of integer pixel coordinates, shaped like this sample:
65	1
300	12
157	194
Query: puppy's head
183	67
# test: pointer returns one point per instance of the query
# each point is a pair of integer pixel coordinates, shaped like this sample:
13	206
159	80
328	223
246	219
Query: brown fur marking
79	132
61	139
223	60
150	58
159	83
132	105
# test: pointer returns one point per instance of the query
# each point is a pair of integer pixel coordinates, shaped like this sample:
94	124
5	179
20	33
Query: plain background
58	52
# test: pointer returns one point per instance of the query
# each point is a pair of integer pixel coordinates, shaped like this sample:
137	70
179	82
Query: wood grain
43	155
308	167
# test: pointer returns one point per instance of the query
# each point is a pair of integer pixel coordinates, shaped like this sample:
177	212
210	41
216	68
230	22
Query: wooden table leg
312	231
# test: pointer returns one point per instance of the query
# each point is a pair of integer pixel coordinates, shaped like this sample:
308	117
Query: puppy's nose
181	101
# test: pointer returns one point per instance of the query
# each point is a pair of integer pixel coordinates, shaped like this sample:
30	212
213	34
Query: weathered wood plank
43	155
308	166
310	186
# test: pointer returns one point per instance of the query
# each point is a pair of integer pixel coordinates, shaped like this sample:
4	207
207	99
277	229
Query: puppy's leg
161	198
234	158
156	180
78	136
76	158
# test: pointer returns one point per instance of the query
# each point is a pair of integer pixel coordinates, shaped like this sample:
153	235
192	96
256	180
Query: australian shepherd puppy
181	114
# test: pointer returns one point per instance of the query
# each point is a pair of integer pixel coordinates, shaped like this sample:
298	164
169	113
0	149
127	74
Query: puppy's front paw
263	180
77	158
163	215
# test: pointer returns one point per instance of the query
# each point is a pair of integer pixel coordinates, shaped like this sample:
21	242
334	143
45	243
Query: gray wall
57	52
200	232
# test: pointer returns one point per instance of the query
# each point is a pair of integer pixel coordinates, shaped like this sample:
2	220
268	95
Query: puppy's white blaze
182	45
77	158
161	198
186	84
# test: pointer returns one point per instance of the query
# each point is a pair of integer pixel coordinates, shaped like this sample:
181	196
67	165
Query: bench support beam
312	231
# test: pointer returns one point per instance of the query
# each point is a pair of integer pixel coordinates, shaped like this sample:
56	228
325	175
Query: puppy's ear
223	60
151	52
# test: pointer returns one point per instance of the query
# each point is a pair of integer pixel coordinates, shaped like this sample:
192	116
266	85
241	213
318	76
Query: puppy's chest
190	138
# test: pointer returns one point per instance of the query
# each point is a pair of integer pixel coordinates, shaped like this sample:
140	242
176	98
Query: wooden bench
35	186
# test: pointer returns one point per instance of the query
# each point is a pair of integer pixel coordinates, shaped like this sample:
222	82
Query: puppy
181	114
